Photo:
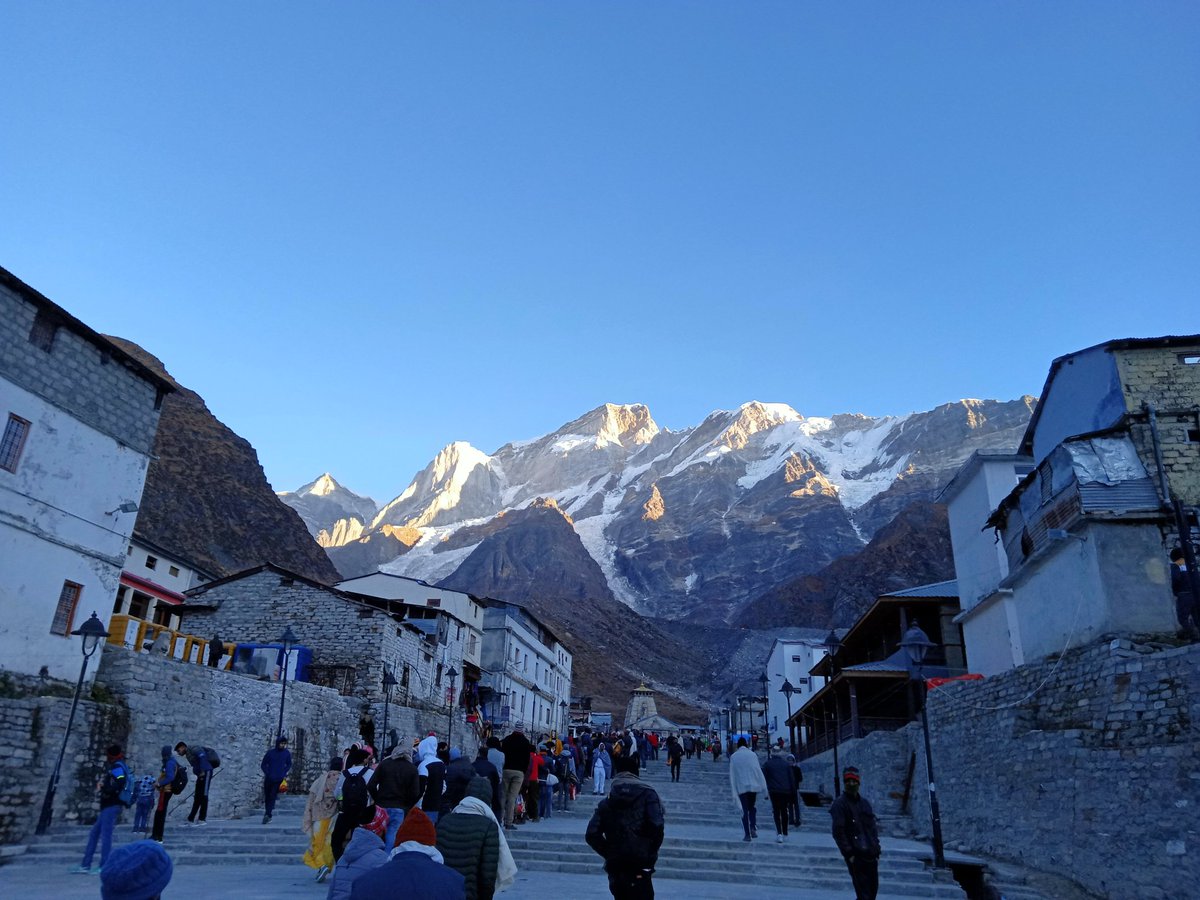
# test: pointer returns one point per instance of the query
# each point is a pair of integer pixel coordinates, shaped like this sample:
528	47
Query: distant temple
642	712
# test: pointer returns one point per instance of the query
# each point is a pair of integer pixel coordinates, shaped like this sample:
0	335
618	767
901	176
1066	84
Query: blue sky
364	230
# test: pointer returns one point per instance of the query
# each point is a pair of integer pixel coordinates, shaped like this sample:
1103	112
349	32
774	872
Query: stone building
1084	534
642	712
80	415
351	638
526	670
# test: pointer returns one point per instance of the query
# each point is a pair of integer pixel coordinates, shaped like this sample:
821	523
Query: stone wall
75	375
1058	765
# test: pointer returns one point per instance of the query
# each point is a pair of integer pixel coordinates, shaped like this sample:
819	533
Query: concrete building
526	671
80	416
791	660
1080	544
153	583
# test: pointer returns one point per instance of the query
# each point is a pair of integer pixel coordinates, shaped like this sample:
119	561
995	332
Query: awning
145	586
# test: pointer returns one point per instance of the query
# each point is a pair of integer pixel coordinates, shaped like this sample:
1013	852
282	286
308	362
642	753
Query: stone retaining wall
1086	766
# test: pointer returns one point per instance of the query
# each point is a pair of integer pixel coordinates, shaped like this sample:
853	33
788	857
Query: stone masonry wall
1061	764
76	376
1171	386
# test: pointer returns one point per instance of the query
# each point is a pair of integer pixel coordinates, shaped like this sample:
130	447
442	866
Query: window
458	634
64	615
173	571
13	442
151	562
1190	359
1193	435
41	335
439	675
433	601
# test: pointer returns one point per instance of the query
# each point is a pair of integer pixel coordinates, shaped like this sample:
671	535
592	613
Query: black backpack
179	781
355	796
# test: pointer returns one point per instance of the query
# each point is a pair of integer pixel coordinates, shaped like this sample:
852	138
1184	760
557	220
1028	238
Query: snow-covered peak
751	418
322	487
623	425
455	461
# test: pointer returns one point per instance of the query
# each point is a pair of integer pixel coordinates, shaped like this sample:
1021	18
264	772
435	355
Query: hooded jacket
434	772
363	853
411	874
396	784
779	776
470	844
168	769
276	763
116	772
485	769
627	827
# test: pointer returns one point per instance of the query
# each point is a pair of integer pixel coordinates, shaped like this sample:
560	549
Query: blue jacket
199	760
411	876
276	764
169	767
363	852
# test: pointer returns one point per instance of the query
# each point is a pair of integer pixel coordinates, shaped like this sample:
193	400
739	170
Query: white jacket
745	774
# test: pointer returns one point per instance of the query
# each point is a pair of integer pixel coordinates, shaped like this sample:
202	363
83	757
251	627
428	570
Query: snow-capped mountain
333	514
683	524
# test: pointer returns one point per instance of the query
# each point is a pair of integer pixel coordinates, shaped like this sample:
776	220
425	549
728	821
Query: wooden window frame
14	447
64	612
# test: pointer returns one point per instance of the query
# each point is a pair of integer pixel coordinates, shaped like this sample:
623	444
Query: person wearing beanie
276	764
470	839
416	870
396	787
458	775
137	871
627	830
856	832
365	852
116	774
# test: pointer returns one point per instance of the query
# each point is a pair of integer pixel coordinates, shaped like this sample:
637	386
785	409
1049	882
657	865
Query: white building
527	671
153	583
79	418
790	660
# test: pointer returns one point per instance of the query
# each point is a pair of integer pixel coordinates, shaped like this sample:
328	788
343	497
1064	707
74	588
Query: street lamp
452	675
563	705
787	690
389	682
766	719
833	644
92	631
917	644
289	641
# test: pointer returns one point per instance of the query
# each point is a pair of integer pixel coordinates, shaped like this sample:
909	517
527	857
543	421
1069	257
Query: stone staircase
703	843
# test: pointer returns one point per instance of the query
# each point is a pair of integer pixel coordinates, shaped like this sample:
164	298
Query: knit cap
416	827
137	871
480	788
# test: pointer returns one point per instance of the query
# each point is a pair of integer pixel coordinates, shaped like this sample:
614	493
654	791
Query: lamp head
916	643
288	639
452	674
833	643
389	680
787	688
92	631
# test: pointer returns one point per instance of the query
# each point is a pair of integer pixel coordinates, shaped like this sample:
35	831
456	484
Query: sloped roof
944	589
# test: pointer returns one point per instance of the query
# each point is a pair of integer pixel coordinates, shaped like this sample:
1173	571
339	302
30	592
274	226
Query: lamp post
452	675
389	682
916	643
766	718
289	641
563	705
92	632
787	690
833	644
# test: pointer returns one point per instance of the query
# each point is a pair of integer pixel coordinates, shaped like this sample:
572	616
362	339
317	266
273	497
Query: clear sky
364	230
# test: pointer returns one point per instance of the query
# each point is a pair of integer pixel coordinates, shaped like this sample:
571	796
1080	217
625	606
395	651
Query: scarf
506	870
417	847
322	800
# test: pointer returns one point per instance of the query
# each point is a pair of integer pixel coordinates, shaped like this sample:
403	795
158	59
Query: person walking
781	788
746	780
432	772
601	768
485	768
171	780
471	842
354	800
626	830
116	781
674	757
1187	611
396	787
202	769
517	751
364	852
143	797
416	870
856	832
794	802
319	809
276	763
215	651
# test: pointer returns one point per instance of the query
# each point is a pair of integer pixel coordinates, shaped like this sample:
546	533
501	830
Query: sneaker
202	822
321	873
187	823
80	870
746	839
266	819
95	870
779	838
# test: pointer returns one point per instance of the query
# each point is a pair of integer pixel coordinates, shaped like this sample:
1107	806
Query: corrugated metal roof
938	589
1137	494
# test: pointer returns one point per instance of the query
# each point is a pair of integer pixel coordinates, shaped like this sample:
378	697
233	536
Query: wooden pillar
855	731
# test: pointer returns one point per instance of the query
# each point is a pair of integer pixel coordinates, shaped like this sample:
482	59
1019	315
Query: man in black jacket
626	830
485	769
517	750
856	832
396	787
781	787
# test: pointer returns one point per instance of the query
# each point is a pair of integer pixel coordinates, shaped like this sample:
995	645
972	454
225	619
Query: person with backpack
116	793
276	763
354	799
143	799
675	756
202	768
172	781
626	830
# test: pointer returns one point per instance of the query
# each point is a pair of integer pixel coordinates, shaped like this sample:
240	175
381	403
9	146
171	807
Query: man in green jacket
469	839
